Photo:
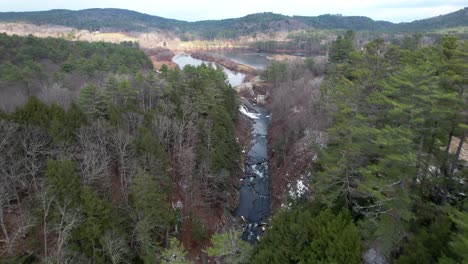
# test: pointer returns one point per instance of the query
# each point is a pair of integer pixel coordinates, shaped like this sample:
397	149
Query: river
254	200
234	78
254	59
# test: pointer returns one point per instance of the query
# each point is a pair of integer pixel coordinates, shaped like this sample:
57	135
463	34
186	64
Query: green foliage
60	124
275	72
98	219
175	254
149	200
63	125
458	244
307	234
34	112
309	63
63	181
412	42
199	229
428	244
388	147
342	47
230	248
149	147
216	102
156	216
93	101
26	59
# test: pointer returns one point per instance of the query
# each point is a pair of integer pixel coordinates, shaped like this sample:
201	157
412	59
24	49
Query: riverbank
249	71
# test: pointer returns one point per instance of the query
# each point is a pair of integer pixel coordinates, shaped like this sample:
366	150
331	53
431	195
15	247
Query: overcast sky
193	10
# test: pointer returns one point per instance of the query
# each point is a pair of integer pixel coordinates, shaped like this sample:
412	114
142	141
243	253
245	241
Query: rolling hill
126	20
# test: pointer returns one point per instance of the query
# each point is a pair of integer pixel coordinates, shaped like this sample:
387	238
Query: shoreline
230	64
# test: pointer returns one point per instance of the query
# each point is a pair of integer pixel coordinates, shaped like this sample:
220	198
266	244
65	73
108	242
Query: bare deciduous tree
56	94
69	219
11	230
46	199
115	247
124	150
93	157
6	196
185	138
34	144
163	124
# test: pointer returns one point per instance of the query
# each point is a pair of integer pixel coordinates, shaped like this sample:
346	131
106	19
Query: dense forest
389	184
104	159
55	69
109	20
134	160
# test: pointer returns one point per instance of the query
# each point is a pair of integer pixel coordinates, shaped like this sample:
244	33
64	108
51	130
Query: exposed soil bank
160	57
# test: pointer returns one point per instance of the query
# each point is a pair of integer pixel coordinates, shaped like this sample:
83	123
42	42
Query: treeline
30	59
95	19
133	164
301	41
121	20
56	69
316	42
389	185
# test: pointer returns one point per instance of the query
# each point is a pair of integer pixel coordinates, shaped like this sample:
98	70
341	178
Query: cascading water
254	201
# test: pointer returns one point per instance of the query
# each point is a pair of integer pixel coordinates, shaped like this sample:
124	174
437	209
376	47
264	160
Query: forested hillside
104	159
55	69
111	20
95	19
388	185
134	162
452	20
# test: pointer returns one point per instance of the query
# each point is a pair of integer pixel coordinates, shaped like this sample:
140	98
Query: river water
234	78
256	60
254	200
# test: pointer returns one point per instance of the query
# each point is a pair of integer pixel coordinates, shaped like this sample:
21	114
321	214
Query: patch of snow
298	188
301	187
178	205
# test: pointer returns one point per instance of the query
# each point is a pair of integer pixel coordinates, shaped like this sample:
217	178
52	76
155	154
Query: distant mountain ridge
93	19
111	19
455	19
